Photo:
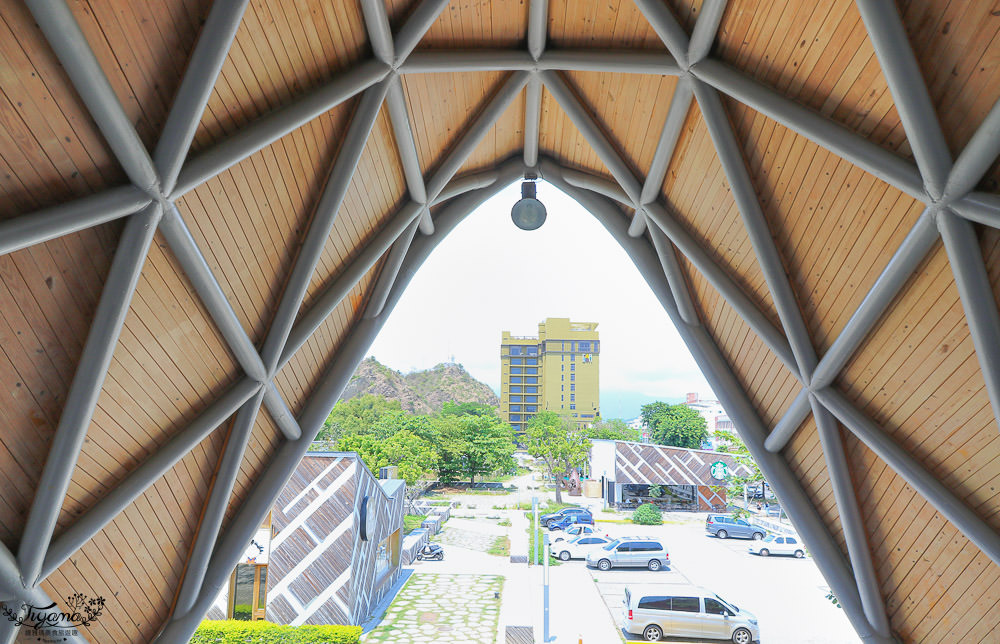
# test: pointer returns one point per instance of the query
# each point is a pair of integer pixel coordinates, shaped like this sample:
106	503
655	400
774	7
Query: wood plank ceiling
835	227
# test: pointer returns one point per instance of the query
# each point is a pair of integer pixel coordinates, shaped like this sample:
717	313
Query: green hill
419	392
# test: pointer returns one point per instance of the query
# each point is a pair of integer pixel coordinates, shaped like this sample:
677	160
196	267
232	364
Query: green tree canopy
474	445
731	443
613	430
356	415
467	409
414	456
559	443
676	425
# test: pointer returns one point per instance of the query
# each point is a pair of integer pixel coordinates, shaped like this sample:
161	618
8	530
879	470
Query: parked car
779	545
575	530
578	547
630	552
571	520
681	610
574	512
724	527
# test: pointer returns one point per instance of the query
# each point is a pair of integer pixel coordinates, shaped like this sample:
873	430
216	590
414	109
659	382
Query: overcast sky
488	277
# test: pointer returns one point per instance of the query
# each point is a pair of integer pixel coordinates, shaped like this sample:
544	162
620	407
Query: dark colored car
724	526
571	519
546	519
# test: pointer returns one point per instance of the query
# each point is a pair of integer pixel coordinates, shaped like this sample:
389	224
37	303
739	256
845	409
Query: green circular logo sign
720	471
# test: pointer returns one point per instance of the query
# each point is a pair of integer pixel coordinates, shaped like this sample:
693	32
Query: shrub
233	631
647	514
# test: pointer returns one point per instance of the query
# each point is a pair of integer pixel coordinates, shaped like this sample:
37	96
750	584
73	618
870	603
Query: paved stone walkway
452	536
442	608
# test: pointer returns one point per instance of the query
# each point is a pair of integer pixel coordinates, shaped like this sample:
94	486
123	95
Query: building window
572	397
532	351
517	360
515	418
562	398
531	399
531	371
572	367
515	390
515	399
515	380
562	378
515	351
572	357
584	347
572	406
248	592
572	377
562	367
531	390
382	560
531	361
531	408
562	387
515	407
531	380
572	386
517	370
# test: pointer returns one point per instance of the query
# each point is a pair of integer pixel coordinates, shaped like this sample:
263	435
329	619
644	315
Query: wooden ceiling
835	226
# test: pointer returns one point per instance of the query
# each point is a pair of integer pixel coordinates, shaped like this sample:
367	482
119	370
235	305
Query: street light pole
545	593
534	508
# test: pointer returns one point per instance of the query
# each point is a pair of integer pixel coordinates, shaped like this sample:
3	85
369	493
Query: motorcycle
431	552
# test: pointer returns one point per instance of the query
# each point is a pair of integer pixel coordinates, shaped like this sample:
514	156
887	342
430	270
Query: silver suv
676	610
724	526
630	552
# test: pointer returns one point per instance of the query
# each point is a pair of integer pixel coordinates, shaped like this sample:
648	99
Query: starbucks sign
720	471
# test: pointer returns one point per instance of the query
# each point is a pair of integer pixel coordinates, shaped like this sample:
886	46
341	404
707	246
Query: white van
681	610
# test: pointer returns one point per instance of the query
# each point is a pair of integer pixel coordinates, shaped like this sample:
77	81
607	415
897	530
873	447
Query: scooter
431	552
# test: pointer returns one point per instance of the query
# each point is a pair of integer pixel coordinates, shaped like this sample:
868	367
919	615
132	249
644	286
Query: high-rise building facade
555	371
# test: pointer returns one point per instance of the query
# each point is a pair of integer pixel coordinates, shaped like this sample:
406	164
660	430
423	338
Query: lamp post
545	594
534	508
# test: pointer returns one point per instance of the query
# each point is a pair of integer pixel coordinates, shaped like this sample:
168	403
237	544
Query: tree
473	445
414	456
357	415
731	443
559	443
467	409
676	425
613	430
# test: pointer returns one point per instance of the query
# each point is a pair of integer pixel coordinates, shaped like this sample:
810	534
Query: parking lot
787	595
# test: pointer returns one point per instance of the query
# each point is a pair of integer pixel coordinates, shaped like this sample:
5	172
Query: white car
573	531
578	547
774	544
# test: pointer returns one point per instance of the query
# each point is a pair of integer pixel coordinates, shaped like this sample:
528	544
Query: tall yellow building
556	371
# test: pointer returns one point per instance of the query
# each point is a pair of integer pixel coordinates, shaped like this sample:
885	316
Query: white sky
488	276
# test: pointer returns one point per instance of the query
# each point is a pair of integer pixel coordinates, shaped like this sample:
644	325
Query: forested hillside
419	392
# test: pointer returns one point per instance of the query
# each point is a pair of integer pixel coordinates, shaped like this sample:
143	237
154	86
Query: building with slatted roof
210	209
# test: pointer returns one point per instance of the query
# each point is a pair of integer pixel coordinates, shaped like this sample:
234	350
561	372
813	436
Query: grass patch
504	522
412	522
500	547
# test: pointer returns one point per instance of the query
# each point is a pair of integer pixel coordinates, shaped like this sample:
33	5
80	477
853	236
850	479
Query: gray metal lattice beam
977	157
70	45
828	134
85	389
49	223
913	472
146	474
902	73
626	61
315	239
203	70
272	126
271	481
188	255
725	384
218	502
